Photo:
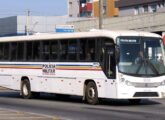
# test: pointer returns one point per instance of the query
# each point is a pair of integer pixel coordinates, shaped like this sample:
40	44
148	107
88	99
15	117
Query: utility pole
100	14
27	22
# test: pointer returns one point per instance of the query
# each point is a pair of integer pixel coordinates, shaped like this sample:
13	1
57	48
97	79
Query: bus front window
141	56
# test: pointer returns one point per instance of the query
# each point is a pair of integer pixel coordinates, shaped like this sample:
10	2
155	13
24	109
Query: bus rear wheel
25	89
91	93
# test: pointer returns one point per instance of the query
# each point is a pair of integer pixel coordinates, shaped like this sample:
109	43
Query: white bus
98	64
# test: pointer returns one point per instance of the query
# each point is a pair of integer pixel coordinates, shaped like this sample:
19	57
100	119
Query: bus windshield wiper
145	62
153	68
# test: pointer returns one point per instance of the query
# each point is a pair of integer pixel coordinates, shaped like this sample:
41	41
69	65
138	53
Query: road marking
56	118
9	114
6	114
20	112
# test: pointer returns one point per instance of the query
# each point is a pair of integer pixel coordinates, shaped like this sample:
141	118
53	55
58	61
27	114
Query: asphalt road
74	109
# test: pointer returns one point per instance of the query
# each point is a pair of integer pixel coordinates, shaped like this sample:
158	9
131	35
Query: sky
36	7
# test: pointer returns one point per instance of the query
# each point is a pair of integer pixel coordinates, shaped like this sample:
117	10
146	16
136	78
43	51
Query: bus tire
134	101
91	93
25	89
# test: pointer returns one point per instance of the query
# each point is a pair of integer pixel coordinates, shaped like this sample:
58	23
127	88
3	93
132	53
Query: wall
96	9
41	24
73	8
111	10
146	22
16	25
8	26
125	11
161	9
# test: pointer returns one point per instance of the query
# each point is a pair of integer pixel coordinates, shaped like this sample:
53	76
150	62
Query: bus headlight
163	94
122	80
163	82
128	83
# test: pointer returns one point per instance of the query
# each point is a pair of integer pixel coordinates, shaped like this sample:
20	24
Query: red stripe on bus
80	69
19	68
56	69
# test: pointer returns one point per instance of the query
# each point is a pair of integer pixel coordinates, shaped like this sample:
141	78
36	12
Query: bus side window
82	49
87	49
45	50
72	50
54	50
36	50
20	51
28	46
6	51
91	49
13	49
1	51
91	54
63	50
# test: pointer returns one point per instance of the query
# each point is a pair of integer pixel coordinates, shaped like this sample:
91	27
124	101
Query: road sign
64	28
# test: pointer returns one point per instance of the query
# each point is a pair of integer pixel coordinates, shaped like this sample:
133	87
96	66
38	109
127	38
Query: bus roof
96	33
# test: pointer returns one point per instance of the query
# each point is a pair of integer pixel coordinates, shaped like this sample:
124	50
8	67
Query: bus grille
146	84
146	94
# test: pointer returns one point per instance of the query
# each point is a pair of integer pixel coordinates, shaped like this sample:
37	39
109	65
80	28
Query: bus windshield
141	56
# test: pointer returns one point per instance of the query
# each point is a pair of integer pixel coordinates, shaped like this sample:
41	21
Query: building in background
90	8
86	8
139	15
73	6
109	9
137	7
16	25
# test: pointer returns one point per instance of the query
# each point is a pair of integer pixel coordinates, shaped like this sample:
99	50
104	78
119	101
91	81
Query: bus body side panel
92	74
110	88
5	76
68	78
24	69
106	87
58	85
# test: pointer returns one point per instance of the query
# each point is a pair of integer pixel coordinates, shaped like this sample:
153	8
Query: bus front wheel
25	89
91	93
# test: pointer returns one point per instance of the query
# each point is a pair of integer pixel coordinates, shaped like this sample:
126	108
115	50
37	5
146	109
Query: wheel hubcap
25	90
91	93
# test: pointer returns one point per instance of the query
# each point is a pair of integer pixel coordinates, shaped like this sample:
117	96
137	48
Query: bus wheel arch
90	92
25	88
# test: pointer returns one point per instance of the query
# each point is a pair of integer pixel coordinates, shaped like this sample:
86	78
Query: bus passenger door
109	62
110	70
